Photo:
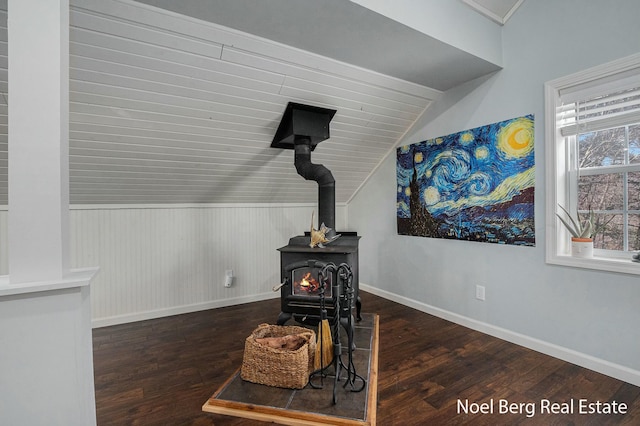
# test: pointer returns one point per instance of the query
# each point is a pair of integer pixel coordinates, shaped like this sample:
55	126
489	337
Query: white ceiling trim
498	11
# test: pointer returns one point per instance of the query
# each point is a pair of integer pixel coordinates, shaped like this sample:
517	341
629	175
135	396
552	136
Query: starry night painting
475	185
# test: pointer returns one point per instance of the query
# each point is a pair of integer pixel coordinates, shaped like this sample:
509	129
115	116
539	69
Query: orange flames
308	284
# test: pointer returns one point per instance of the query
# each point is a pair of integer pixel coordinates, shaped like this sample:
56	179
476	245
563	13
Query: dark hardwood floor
160	372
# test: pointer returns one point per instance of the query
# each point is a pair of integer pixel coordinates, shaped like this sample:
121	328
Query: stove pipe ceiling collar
302	127
300	121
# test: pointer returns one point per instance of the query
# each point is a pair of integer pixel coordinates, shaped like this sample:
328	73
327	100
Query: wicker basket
278	367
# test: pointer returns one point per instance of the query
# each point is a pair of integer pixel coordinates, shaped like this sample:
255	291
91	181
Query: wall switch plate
480	292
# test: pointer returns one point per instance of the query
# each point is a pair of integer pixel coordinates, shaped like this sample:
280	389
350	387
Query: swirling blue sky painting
475	185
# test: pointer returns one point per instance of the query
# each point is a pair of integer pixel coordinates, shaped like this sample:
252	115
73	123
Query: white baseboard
616	371
177	310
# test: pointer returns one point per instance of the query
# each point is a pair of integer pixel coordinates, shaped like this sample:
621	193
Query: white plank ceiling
166	108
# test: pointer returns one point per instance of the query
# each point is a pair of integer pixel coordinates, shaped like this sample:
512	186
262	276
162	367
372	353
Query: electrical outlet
228	278
480	292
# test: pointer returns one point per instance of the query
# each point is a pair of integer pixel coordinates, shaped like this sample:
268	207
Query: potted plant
582	232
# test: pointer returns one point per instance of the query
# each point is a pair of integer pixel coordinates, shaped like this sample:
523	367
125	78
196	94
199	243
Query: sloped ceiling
344	31
171	108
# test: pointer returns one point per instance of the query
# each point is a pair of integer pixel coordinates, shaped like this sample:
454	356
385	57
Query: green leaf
569	227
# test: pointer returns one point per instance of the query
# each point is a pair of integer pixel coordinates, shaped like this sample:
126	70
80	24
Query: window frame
561	181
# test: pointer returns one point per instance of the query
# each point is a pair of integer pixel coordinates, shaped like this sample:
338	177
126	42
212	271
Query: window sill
625	266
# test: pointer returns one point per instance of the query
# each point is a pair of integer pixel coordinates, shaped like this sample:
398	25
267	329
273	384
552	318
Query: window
593	162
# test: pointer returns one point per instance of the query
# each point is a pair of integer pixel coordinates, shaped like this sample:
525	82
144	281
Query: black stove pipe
325	180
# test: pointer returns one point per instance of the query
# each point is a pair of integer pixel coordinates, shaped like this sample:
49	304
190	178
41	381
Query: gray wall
590	315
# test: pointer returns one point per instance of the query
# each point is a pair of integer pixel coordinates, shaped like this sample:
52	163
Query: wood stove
301	129
300	266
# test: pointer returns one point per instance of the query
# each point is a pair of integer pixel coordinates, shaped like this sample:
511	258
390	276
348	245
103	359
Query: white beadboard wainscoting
163	260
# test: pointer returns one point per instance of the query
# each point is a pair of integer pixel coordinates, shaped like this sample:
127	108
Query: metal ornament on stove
319	236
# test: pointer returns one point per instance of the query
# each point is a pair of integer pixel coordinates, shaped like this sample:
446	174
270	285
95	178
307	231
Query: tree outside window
609	187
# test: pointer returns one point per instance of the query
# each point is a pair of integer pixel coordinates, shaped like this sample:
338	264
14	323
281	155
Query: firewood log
290	342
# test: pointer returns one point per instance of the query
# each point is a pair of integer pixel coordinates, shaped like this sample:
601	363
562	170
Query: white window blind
600	105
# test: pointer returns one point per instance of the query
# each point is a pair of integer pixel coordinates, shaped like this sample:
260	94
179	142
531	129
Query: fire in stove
305	284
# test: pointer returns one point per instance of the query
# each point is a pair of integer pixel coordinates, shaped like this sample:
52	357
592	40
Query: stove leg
283	318
358	309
